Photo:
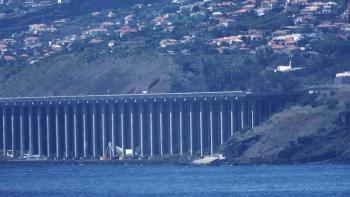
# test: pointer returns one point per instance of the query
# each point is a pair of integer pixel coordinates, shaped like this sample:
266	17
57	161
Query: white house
63	1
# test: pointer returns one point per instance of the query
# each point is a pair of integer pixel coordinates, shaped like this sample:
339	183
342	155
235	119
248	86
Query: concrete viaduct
152	125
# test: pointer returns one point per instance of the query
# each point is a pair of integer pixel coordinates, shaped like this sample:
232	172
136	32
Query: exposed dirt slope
79	75
317	132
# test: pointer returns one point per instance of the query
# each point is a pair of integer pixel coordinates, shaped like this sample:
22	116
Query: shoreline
154	162
93	162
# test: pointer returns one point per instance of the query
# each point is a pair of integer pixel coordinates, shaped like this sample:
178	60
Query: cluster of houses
179	26
312	20
41	40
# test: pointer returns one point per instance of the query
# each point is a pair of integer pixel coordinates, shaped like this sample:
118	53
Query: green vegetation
332	47
193	62
271	22
246	72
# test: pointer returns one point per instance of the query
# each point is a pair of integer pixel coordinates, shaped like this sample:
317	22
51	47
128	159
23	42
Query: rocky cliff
317	131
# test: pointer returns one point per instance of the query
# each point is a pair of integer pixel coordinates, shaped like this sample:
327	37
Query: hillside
78	74
171	45
315	132
114	47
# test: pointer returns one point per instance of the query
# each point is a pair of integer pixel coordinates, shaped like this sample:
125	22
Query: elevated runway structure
152	125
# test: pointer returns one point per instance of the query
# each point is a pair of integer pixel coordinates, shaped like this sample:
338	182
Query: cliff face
317	132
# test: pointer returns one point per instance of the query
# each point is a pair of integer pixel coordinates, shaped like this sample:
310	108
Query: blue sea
174	180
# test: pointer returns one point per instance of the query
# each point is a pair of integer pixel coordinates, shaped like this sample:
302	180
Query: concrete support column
113	128
75	131
171	128
253	113
259	118
103	128
48	137
201	136
30	128
221	123
40	142
270	108
160	108
141	130
211	127
85	143
232	117
13	131
242	115
151	129
21	131
191	128
262	111
122	129
94	136
57	129
131	114
4	131
181	129
66	137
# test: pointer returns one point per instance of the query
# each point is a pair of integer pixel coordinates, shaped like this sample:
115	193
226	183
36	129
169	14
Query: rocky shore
316	130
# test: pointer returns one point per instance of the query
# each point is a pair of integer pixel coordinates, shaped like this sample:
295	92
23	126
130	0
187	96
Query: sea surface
174	180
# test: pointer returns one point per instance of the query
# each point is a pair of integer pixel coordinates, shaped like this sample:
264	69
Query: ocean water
173	180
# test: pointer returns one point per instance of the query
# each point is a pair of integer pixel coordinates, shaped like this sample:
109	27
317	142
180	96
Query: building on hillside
342	78
32	42
63	1
346	14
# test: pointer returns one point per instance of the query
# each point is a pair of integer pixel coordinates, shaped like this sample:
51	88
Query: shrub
331	104
347	105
